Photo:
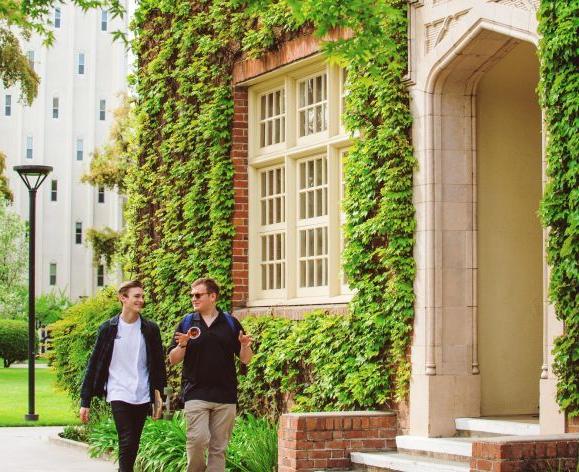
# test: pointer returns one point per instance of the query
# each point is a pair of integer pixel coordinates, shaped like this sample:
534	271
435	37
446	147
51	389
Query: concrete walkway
28	449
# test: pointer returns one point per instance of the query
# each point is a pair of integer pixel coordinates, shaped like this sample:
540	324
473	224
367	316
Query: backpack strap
231	323
188	321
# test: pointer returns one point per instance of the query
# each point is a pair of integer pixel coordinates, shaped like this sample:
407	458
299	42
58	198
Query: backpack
190	317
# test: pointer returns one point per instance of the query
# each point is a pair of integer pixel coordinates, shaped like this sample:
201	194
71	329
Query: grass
53	406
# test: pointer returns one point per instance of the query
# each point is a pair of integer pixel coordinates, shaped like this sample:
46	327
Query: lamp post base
31	417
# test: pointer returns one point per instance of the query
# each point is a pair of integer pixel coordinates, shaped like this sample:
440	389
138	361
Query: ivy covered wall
559	88
180	196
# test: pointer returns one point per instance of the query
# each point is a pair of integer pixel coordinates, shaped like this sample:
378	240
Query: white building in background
82	75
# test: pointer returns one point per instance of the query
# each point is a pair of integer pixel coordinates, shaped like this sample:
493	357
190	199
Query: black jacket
97	371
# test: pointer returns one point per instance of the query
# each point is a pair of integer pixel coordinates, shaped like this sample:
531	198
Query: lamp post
32	176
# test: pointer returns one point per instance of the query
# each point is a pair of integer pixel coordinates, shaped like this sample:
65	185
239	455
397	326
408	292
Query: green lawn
53	406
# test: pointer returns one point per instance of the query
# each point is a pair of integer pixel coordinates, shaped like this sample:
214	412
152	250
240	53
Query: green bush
51	306
311	365
73	340
13	341
253	445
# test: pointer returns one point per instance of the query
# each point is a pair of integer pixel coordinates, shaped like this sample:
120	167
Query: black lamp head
33	176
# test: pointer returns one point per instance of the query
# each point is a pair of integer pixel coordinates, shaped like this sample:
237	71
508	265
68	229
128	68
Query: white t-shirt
128	373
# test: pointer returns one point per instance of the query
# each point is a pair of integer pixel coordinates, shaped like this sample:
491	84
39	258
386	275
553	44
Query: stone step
399	462
448	449
485	427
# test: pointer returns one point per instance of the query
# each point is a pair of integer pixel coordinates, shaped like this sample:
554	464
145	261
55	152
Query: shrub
253	445
13	341
75	433
51	306
74	337
311	365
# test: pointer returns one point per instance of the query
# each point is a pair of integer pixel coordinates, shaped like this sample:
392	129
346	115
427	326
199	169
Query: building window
100	275
52	274
53	190
80	63
313	105
101	194
55	102
272	118
102	110
57	17
104	20
78	232
312	222
7	105
296	150
79	149
29	147
272	229
30	57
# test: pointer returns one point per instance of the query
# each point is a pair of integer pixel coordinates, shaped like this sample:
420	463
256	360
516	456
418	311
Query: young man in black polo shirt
207	342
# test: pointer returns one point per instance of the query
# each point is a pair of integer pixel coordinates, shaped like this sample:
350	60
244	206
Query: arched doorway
509	243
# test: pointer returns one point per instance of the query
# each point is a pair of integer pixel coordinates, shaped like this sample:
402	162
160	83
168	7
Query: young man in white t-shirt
126	367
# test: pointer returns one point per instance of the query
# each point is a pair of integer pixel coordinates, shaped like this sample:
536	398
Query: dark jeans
129	420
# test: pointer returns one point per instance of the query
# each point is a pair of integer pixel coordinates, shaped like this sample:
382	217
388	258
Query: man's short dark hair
210	284
129	284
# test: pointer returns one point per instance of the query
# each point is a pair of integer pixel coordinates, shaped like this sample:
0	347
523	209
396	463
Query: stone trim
314	441
296	312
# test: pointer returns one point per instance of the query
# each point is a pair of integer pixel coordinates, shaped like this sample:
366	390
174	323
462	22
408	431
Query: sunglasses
197	296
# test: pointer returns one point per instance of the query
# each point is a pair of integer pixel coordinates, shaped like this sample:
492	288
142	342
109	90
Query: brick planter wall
553	453
314	441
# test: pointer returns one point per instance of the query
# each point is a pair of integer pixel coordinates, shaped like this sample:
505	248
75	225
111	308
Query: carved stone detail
530	5
438	29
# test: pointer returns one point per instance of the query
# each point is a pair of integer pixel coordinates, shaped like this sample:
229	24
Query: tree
13	263
110	163
51	306
5	192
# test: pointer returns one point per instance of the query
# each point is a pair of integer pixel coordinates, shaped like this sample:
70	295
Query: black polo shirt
209	363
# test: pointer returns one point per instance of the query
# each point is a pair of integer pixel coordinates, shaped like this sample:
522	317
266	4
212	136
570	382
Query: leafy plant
75	433
13	263
51	306
253	446
13	341
559	88
104	244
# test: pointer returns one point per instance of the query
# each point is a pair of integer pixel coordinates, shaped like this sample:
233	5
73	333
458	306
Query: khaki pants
209	427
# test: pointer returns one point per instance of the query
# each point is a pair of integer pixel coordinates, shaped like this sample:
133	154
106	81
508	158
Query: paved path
27	449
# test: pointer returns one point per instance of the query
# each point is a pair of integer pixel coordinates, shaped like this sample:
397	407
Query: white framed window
312	105
79	149
312	222
104	20
78	232
272	229
29	147
102	110
295	187
55	107
343	276
80	63
101	194
7	105
343	94
100	281
272	118
30	57
53	190
57	17
52	274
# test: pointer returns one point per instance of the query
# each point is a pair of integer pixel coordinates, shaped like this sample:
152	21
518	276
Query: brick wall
314	441
554	453
239	271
